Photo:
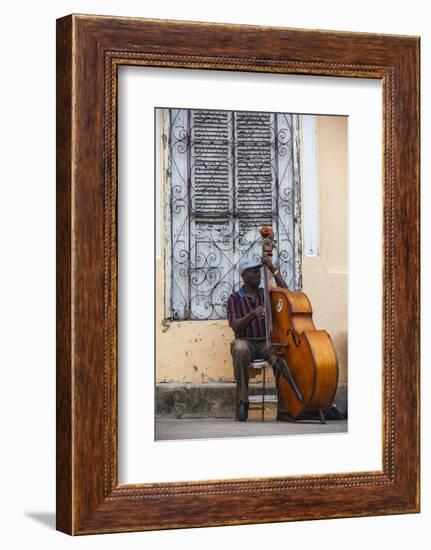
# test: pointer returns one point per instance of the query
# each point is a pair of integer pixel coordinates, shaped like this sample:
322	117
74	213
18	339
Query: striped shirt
239	305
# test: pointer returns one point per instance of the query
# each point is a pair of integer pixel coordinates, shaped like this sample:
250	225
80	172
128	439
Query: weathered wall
198	351
325	275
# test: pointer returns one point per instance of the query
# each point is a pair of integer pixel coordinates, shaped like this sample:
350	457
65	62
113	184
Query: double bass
309	369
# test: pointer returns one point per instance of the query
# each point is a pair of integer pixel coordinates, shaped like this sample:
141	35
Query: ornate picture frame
89	51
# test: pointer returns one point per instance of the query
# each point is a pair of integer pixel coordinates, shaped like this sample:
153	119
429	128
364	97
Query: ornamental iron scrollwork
230	172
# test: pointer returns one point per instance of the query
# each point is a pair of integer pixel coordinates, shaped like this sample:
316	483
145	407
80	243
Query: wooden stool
255	367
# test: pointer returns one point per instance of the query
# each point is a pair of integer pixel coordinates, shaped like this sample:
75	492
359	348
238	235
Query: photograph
251	273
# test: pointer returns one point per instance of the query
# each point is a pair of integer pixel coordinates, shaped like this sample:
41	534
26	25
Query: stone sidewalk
208	428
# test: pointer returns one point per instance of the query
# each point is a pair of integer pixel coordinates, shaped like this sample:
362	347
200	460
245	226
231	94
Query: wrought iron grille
229	174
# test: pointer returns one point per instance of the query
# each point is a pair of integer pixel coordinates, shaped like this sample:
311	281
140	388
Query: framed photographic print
237	276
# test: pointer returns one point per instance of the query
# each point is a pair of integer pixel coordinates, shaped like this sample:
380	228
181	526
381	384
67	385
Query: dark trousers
245	350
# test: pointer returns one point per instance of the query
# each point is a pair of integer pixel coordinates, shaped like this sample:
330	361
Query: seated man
246	316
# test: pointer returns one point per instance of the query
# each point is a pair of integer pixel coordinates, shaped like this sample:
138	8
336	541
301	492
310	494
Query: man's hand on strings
266	261
260	312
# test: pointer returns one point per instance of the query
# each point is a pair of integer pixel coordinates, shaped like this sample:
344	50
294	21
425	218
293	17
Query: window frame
163	151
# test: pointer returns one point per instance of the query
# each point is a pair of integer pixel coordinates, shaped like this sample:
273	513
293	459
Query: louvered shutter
254	177
210	153
211	251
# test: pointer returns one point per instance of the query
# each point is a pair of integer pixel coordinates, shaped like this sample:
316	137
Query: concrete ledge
211	400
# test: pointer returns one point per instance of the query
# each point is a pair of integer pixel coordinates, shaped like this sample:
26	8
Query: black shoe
242	411
284	417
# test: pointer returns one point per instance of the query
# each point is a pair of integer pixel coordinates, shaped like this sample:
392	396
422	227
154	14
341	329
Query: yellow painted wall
198	351
324	277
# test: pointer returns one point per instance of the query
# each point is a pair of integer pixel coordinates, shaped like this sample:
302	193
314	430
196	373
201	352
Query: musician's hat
248	263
